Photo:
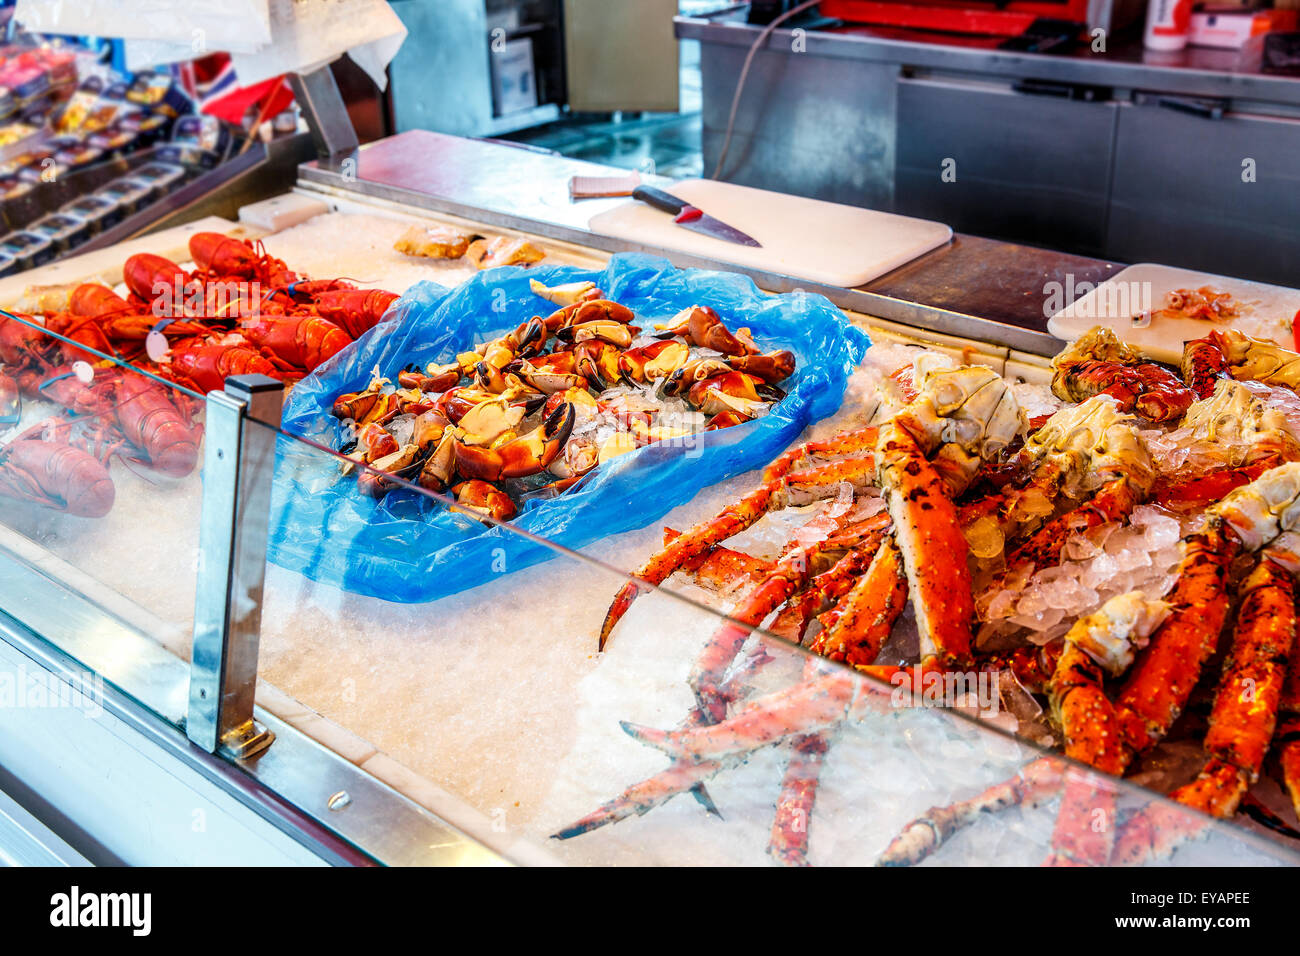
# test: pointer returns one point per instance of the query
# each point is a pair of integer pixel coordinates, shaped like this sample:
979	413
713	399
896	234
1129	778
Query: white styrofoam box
281	212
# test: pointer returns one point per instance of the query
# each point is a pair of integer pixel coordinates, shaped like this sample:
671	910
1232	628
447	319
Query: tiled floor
664	143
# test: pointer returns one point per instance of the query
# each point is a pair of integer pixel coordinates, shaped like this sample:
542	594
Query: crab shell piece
1099	344
487	421
1091	443
1111	634
726	420
376	442
1255	359
520	457
478	498
960	417
648	363
1234	418
566	294
1261	512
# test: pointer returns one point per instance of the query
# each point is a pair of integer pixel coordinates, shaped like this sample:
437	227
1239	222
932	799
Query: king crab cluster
979	498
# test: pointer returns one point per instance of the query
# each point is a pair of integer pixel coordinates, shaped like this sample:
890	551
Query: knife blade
690	217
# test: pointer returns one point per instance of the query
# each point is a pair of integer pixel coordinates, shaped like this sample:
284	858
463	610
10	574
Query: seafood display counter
757	579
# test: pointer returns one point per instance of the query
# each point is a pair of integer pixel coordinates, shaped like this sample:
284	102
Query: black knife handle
664	202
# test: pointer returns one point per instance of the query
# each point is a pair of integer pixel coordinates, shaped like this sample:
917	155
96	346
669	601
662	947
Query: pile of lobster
533	411
949	450
238	311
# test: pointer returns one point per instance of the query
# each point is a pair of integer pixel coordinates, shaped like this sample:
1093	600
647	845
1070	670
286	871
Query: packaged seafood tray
945	620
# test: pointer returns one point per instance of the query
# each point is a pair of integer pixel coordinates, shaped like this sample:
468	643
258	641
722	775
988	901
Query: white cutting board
1264	311
809	239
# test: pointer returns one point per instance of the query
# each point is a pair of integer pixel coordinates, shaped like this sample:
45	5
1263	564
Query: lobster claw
523	456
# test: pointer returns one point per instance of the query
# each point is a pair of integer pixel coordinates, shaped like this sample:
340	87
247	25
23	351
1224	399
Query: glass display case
485	726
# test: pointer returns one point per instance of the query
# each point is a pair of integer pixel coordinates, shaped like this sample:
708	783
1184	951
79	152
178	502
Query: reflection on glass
100	478
689	739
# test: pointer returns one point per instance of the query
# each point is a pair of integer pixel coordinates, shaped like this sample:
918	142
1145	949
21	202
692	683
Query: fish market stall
900	556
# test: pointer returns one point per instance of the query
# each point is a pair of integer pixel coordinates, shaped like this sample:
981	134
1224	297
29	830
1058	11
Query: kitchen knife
692	218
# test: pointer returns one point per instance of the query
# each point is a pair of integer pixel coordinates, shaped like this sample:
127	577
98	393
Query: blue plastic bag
407	547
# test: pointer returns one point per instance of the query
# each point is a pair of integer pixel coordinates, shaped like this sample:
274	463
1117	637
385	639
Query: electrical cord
744	75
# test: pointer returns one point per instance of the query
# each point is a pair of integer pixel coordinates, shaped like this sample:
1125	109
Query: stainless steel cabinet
989	159
814	127
1221	194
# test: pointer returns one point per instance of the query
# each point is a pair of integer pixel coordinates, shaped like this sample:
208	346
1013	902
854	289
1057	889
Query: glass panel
494	708
100	495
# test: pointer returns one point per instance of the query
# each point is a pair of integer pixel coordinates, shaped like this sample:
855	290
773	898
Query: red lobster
295	341
219	255
354	310
204	365
151	420
55	474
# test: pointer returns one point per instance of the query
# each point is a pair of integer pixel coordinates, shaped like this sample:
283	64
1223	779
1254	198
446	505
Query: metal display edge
377	825
326	182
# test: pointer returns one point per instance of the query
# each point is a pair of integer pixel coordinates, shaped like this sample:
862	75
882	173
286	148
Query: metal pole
238	465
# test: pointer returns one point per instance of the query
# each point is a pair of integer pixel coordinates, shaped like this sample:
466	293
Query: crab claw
603	330
530	337
704	328
588	310
598	362
1266	512
731	392
522	456
545	380
440	465
650	362
478	498
684	378
772	367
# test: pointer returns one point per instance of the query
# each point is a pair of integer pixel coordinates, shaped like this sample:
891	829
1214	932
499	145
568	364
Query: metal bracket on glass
238	465
326	114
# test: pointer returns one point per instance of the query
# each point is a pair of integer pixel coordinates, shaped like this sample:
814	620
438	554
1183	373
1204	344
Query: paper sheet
307	35
197	26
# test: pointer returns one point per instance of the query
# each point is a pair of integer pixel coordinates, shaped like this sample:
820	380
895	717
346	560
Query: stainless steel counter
973	287
1195	71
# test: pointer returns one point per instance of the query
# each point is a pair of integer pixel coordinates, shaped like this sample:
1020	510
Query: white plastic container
1168	22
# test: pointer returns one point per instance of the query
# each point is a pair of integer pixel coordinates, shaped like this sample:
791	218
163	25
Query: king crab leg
681	775
788	843
1242	721
779	481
